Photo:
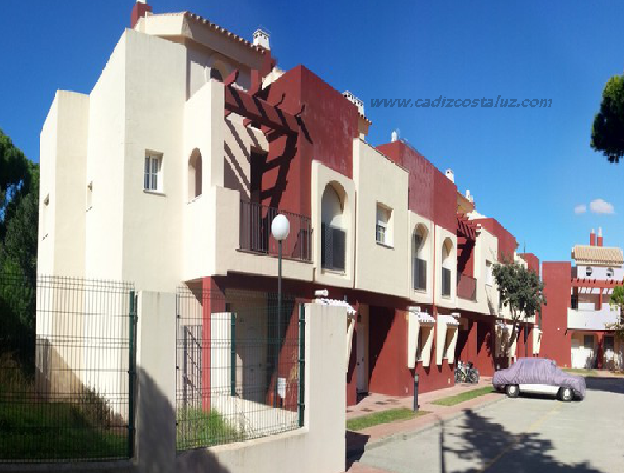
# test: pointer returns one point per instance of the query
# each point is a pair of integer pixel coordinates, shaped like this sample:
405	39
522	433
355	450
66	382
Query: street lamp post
280	230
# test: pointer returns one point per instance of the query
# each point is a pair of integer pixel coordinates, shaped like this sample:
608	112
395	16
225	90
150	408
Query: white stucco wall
63	185
105	169
381	268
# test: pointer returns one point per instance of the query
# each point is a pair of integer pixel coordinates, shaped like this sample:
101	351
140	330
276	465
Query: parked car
540	376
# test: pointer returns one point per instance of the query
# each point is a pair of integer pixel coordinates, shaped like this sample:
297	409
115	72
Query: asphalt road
527	434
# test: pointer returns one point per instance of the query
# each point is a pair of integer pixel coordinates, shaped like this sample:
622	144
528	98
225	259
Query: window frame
588	271
153	180
383	228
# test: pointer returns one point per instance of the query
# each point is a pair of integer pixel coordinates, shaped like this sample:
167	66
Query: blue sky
527	167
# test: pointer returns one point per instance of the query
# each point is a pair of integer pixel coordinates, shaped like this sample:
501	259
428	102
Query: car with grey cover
539	376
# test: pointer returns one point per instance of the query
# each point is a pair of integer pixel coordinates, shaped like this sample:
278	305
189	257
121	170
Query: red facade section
329	124
430	193
138	11
556	342
532	261
506	243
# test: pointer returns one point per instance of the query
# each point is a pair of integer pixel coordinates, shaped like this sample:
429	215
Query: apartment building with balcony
171	169
578	316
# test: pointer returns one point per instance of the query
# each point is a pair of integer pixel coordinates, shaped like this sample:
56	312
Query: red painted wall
556	342
532	261
329	125
475	344
138	11
430	193
506	243
466	249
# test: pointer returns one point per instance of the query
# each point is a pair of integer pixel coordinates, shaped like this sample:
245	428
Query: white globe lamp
280	227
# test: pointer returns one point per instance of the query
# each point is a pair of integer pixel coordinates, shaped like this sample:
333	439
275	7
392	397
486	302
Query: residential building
578	316
171	169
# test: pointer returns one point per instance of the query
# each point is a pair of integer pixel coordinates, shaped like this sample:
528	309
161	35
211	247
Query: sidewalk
357	442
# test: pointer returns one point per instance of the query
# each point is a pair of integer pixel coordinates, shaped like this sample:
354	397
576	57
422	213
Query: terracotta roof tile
597	254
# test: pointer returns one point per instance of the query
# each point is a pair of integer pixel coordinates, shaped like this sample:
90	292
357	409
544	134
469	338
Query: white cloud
600	206
580	209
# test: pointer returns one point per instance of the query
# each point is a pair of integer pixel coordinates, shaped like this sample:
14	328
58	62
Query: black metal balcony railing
420	274
255	232
467	287
446	282
332	248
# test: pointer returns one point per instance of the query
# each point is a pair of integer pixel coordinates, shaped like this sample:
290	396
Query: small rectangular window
588	271
382	227
609	272
152	172
489	273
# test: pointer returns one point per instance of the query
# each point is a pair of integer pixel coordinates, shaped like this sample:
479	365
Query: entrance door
577	354
608	352
361	373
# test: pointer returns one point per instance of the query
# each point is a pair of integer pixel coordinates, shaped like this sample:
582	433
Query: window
383	225
588	271
333	233
589	341
609	272
447	265
152	172
489	273
195	174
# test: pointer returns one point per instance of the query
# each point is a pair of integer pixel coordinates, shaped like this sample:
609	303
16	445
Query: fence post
233	354
301	405
131	374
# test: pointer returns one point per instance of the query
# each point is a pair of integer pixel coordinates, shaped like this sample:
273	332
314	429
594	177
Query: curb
406	435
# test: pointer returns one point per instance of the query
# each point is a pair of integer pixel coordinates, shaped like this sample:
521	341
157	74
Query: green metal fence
65	367
238	376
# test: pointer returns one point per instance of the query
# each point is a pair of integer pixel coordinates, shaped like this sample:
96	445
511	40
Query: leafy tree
19	209
616	301
607	129
521	290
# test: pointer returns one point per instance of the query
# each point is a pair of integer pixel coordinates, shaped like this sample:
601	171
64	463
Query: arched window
447	265
195	174
420	257
216	74
333	228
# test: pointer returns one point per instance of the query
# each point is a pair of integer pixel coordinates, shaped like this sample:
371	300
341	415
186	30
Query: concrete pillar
155	437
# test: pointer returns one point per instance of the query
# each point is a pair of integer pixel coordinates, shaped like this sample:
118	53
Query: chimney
592	237
600	238
393	137
261	38
450	175
138	11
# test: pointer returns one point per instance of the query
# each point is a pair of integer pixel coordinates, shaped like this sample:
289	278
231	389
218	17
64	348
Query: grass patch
198	428
369	420
580	372
32	428
458	398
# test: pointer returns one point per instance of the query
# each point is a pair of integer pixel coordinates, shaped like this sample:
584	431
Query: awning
449	320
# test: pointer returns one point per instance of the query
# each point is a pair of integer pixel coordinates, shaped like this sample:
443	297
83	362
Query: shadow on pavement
610	385
497	449
354	446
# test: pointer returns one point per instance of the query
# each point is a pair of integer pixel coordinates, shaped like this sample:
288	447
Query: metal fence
238	376
255	232
66	346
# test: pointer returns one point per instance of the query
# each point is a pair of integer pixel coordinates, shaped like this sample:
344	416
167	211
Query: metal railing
467	287
66	367
446	282
332	247
238	376
420	274
255	232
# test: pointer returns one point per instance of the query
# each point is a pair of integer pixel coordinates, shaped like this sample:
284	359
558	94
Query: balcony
420	274
255	232
591	319
332	248
446	282
467	287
